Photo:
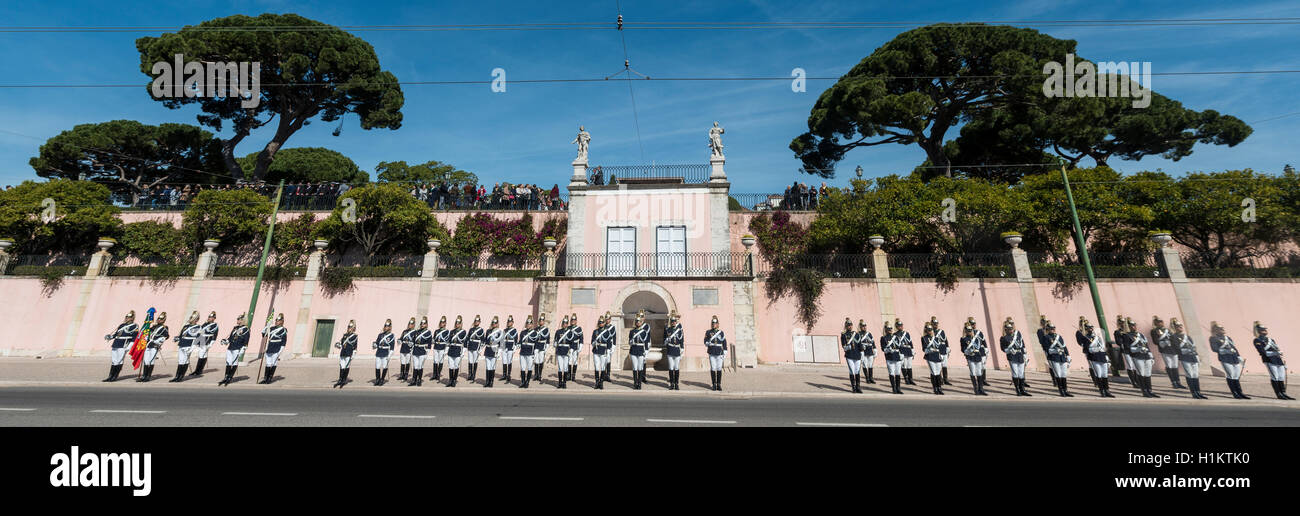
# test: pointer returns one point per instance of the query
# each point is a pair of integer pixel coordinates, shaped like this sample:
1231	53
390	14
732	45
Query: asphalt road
179	406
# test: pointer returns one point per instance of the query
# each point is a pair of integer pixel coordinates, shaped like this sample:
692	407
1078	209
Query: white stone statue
715	140
582	140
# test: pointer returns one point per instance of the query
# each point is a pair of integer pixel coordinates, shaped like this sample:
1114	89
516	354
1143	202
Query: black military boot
636	379
198	367
984	379
1060	387
180	374
1194	384
112	372
1105	387
452	376
898	384
1282	383
523	379
606	373
1173	377
487	379
1277	389
934	383
945	376
344	381
910	379
1065	387
871	375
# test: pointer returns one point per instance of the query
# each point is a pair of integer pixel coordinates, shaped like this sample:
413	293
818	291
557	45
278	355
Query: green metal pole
1087	267
261	265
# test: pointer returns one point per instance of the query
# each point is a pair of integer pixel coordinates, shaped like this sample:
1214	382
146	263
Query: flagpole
261	268
1087	268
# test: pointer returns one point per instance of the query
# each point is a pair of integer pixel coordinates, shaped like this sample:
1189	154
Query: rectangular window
582	296
620	251
670	250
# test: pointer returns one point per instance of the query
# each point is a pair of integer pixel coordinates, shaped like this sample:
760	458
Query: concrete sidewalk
783	380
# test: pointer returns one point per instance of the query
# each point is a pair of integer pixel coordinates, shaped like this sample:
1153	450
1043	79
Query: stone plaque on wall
704	296
583	296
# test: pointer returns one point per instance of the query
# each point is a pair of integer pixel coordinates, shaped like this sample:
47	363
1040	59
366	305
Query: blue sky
523	135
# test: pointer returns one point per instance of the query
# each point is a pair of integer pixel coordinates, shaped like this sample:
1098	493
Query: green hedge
271	272
488	273
383	271
1245	272
39	270
1048	270
153	271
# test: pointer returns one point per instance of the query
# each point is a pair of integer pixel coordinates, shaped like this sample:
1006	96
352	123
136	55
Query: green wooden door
324	336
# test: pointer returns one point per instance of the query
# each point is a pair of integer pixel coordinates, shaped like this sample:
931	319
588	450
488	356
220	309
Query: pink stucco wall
646	210
447	218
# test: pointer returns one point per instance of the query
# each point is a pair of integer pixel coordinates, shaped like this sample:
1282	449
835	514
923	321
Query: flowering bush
480	232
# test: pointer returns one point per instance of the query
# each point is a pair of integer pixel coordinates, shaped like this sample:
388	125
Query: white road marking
396	416
692	421
3	409
129	411
980	426
541	418
802	423
259	413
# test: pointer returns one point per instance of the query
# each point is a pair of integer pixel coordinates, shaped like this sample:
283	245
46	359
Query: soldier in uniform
575	347
1139	350
904	349
1043	343
868	343
492	349
210	330
639	343
276	337
1098	360
942	337
974	348
715	342
1222	345
527	350
1271	355
933	358
421	341
190	335
562	353
675	346
383	345
121	338
1122	341
893	359
984	358
852	354
474	346
1058	358
1013	345
543	339
235	344
1168	349
1188	357
602	346
455	347
157	337
404	354
440	341
509	340
609	348
347	345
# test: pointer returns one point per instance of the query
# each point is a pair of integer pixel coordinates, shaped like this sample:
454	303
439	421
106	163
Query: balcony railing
629	174
713	264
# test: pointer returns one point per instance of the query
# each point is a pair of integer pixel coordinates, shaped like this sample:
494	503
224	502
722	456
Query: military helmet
495	320
715	320
862	323
212	314
541	318
1258	326
848	323
529	321
458	320
1009	324
162	316
424	320
194	317
411	322
1083	322
573	318
674	316
130	315
640	316
388	323
1155	319
477	319
1174	322
279	318
510	319
1050	325
564	321
970	321
898	323
352	324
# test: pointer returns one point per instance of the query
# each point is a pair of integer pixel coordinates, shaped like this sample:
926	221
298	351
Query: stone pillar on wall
427	276
548	302
745	324
884	285
5	256
1186	305
100	261
1028	298
202	271
315	262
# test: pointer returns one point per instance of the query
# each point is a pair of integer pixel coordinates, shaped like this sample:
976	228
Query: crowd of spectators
800	196
324	196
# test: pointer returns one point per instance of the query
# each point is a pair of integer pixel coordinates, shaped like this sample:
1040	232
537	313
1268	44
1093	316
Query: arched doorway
657	303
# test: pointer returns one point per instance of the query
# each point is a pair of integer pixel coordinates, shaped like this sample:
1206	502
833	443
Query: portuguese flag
141	340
